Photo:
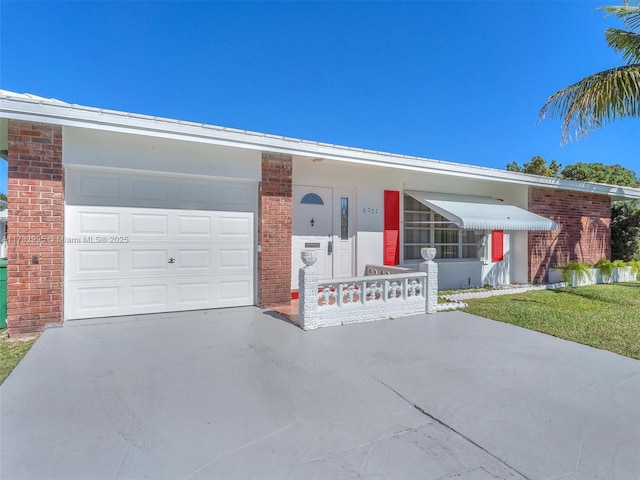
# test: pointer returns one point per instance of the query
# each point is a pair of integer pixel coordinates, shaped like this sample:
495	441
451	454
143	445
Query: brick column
584	229
274	261
35	227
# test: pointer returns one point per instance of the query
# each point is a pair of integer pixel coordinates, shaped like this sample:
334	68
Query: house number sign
370	211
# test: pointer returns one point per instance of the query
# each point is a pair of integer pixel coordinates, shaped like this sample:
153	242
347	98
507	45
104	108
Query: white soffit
482	213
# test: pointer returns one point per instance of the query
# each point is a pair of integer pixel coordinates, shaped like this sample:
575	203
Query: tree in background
605	96
582	172
600	173
625	216
625	231
537	166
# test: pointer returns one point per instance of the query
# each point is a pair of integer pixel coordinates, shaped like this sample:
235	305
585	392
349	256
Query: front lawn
603	316
11	352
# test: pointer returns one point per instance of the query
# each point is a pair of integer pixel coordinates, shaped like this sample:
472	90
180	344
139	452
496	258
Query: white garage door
123	260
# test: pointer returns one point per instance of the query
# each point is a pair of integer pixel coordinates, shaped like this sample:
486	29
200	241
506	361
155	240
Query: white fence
364	299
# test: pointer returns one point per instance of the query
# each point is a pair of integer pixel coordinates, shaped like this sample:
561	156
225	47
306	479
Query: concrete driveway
241	394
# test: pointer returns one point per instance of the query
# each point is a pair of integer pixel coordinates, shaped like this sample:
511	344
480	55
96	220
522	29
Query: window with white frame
425	228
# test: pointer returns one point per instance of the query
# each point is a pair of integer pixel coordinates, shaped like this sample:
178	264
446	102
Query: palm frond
630	14
595	100
624	42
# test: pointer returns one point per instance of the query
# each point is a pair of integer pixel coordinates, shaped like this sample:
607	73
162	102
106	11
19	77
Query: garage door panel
192	193
98	261
86	261
234	291
194	294
234	259
83	223
98	223
153	225
130	261
152	294
96	298
105	298
148	225
193	260
100	187
131	189
149	189
235	195
144	260
234	227
198	225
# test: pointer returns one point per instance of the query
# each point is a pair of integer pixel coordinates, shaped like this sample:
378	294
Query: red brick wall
35	228
274	262
584	229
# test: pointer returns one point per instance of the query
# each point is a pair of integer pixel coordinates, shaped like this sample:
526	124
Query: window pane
447	251
412	252
470	236
311	199
416	217
344	218
411	203
416	235
445	236
469	251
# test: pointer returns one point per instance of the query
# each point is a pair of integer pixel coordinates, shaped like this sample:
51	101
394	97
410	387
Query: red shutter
497	245
391	236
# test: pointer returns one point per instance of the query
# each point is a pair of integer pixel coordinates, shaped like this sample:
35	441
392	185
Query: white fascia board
115	121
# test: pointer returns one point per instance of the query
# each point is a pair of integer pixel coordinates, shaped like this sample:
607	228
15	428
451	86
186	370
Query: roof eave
54	111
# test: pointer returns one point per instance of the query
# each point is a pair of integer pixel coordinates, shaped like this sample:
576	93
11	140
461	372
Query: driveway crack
449	427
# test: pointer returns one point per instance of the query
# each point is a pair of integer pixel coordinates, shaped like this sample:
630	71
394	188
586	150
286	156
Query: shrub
581	269
625	230
606	267
635	267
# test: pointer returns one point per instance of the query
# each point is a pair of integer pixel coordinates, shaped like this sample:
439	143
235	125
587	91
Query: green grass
602	316
11	352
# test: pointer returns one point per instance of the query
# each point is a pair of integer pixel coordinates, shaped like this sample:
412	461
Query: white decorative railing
364	299
379	288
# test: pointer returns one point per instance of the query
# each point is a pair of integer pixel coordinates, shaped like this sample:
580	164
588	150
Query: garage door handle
172	260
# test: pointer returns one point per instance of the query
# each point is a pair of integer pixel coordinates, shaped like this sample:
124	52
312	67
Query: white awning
482	213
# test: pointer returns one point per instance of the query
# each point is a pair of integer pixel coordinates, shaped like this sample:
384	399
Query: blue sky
450	80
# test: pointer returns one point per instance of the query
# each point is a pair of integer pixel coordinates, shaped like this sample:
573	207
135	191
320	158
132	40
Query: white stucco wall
369	182
520	240
138	152
369	227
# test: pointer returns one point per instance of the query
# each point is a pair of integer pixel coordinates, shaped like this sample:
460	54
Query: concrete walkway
241	394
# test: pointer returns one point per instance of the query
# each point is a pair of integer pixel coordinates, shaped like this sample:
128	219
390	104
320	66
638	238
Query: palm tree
605	96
